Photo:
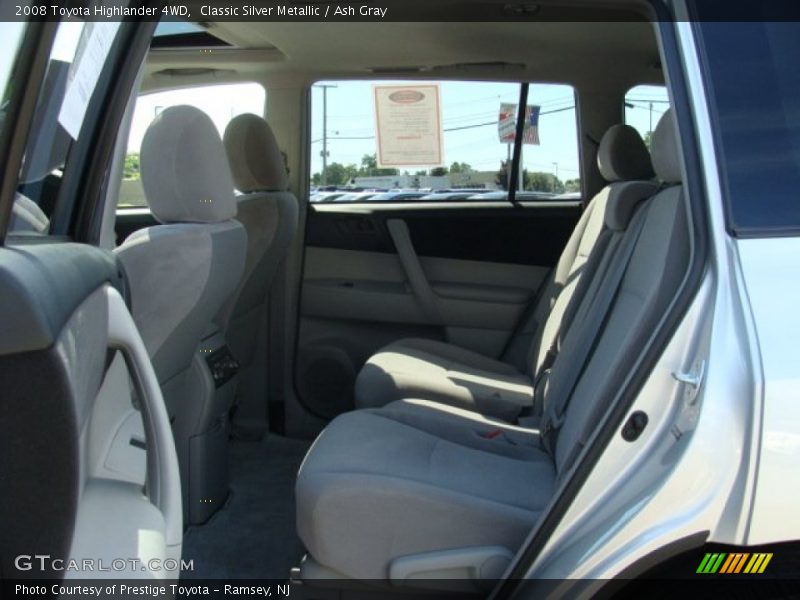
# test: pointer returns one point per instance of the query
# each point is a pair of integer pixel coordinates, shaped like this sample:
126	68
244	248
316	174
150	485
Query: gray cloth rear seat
446	373
415	481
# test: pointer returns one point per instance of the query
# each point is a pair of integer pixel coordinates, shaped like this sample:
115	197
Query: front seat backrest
181	271
269	213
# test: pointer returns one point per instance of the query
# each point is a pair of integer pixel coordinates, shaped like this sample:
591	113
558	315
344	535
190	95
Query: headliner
573	52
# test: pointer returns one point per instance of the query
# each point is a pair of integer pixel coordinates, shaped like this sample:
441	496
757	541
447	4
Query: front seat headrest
665	150
255	159
623	156
185	172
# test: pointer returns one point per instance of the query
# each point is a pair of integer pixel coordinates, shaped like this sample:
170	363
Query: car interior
386	391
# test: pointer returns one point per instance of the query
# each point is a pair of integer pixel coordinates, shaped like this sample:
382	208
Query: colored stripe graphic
736	562
758	563
741	562
711	563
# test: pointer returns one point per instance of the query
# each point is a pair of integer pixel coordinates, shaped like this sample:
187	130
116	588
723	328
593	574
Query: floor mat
253	536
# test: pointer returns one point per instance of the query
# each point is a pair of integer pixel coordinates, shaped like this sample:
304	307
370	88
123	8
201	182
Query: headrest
623	198
665	151
622	155
255	159
185	172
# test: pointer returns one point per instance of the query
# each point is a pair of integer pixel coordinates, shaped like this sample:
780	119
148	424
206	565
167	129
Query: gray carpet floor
253	536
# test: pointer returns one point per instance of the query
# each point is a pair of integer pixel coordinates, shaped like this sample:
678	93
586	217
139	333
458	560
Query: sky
467	106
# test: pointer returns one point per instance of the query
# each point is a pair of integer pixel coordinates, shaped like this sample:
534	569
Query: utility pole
555	164
651	117
508	167
325	130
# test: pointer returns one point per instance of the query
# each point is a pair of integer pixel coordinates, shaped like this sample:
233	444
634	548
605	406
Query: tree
369	167
130	168
350	172
501	177
544	182
572	185
458	167
438	171
335	174
648	138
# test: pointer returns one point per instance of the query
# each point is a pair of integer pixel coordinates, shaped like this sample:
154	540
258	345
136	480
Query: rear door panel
481	265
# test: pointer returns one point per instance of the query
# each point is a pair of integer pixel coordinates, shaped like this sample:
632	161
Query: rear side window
644	105
220	102
440	141
753	76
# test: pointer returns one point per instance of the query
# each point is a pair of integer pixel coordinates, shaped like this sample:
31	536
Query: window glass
400	141
220	102
11	34
753	75
644	105
77	59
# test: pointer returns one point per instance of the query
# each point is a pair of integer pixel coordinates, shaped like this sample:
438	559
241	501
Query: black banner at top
389	10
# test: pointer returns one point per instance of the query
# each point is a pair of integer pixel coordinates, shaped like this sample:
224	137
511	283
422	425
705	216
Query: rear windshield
405	140
753	76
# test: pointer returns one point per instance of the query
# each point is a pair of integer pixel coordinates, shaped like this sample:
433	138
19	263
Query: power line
654	101
447	129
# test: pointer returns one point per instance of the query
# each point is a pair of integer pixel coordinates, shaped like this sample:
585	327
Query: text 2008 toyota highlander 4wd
508	396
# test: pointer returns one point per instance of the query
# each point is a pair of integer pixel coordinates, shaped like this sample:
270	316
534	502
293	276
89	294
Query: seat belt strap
595	315
587	276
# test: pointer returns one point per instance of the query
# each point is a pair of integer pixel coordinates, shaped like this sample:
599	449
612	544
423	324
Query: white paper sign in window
408	125
90	56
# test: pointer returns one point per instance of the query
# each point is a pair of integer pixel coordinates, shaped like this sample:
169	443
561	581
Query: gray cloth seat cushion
379	484
415	367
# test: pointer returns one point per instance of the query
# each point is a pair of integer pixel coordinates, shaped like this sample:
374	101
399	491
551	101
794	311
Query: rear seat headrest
622	155
185	173
665	150
623	199
256	161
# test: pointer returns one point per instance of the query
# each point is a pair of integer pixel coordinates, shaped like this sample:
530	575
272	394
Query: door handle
163	476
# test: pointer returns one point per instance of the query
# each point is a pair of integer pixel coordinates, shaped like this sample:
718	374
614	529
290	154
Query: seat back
181	271
624	161
269	213
655	269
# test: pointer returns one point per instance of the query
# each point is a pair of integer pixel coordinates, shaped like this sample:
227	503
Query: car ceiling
535	48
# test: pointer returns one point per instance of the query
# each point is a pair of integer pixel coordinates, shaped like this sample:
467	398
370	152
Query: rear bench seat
420	488
421	368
